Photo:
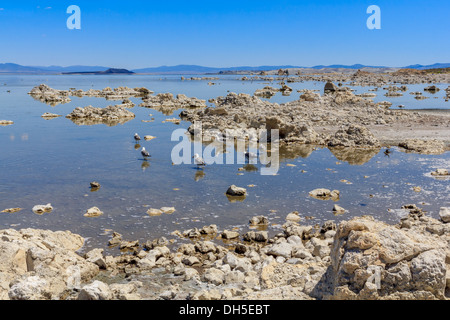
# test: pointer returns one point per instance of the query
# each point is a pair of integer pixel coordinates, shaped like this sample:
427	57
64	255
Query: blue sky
134	34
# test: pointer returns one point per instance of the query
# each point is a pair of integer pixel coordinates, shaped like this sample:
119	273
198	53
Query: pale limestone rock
236	191
97	290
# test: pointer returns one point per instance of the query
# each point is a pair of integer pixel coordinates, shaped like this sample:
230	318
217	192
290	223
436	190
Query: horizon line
223	67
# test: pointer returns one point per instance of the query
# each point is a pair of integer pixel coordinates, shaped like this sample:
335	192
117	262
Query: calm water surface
53	161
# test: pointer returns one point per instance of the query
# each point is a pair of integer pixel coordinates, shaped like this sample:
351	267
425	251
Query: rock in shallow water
236	191
108	115
338	209
6	122
168	210
41	209
325	194
440	173
93	212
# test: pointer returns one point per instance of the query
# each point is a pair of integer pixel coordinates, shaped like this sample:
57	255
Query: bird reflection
199	174
137	146
145	165
250	168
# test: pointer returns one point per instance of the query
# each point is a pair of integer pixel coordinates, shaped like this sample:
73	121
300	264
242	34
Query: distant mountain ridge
16	68
432	66
186	69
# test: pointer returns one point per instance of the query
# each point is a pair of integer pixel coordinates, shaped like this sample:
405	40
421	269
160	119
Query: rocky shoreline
358	259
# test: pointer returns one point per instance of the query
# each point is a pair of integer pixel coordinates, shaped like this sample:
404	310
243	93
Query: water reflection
233	199
52	102
296	150
250	168
355	156
199	174
91	122
145	165
168	110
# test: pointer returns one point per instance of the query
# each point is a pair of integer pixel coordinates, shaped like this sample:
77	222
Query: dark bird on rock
387	152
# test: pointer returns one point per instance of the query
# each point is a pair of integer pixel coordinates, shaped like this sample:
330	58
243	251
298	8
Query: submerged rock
48	115
154	212
11	210
168	210
148	138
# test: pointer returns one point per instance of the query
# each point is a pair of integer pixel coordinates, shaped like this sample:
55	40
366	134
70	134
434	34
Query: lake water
53	161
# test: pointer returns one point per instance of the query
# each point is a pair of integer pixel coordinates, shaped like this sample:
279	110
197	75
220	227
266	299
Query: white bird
145	153
199	160
137	137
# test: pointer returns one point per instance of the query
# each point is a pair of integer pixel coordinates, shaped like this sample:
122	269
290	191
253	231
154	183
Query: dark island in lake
109	71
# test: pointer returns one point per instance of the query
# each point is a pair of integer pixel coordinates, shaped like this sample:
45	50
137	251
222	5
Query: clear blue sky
134	34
